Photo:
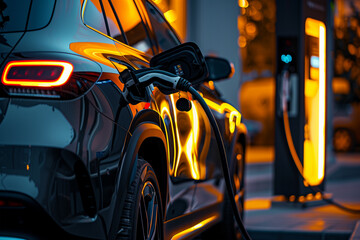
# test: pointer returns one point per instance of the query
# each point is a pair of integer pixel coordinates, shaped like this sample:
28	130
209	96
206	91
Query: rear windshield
14	14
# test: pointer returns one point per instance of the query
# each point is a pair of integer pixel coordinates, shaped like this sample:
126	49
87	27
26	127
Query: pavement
267	221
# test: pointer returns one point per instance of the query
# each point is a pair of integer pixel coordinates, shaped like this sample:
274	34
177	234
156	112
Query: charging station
301	83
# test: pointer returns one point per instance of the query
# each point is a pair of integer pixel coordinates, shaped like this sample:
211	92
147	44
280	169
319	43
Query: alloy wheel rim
148	213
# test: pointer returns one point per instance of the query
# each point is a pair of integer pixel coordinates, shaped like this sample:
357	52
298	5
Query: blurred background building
243	31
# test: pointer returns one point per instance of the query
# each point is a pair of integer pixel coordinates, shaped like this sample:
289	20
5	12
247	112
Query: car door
136	49
196	154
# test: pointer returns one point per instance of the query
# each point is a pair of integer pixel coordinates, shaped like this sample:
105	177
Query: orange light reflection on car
186	232
95	51
164	110
187	147
234	117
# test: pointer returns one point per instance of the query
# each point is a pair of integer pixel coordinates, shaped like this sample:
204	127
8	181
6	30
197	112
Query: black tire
227	228
142	214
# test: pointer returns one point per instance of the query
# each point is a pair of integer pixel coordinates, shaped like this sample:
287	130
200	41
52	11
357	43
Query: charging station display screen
315	100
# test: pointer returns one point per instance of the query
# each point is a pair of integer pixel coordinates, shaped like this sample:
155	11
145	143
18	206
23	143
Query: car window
114	28
164	35
93	16
14	14
132	25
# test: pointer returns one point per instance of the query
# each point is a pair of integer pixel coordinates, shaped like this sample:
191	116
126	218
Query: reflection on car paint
192	229
95	51
234	115
192	136
21	124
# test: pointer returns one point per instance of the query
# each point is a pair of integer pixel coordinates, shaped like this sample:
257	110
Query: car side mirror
185	60
219	68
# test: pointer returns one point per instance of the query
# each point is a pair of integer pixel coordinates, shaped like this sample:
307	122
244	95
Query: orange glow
188	134
311	87
188	231
189	146
318	195
291	143
257	204
64	76
243	3
315	225
322	102
96	51
129	15
27	167
315	101
340	85
242	41
234	115
170	16
165	111
309	196
211	85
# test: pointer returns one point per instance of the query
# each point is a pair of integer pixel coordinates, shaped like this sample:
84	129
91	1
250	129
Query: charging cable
170	83
297	161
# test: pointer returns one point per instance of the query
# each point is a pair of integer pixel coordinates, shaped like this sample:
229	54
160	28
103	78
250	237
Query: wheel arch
153	150
146	134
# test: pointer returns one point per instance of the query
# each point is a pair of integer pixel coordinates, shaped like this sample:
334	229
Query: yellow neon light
322	100
315	109
186	232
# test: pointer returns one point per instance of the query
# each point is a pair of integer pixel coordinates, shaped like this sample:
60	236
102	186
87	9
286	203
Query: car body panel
75	155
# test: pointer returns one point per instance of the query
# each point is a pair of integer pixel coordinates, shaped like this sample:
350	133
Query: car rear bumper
39	191
23	218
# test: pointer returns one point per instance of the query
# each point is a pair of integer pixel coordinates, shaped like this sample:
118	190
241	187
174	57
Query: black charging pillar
299	52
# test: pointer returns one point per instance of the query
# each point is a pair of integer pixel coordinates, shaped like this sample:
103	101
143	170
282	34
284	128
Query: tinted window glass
14	14
93	16
164	35
41	12
132	25
115	31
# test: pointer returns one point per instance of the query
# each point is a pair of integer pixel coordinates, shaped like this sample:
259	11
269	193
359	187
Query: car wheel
142	213
342	140
227	228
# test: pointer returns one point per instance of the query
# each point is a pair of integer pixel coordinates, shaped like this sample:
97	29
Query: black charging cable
167	83
297	162
299	167
224	162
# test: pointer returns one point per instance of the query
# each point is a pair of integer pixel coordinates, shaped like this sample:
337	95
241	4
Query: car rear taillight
11	203
36	73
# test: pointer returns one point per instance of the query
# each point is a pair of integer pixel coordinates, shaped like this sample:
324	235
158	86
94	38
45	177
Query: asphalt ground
265	220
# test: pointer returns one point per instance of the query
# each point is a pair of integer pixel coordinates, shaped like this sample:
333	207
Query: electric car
76	161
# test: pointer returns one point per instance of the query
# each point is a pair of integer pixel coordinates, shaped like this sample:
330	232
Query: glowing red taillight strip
62	79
